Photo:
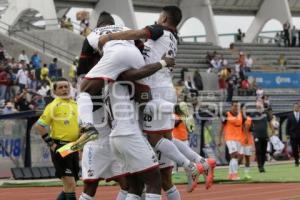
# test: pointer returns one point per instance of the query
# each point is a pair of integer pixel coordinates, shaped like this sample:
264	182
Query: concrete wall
61	38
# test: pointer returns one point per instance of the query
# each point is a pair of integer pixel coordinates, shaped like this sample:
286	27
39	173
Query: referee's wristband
163	63
48	140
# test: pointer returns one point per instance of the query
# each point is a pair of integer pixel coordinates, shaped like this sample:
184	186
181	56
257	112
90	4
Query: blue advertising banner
12	137
275	80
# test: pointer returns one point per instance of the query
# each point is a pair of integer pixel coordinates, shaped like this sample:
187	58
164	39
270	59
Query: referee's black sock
70	196
61	196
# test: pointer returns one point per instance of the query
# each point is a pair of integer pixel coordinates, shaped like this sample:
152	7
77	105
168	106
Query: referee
61	118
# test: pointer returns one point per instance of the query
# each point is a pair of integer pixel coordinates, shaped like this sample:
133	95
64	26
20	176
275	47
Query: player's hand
170	61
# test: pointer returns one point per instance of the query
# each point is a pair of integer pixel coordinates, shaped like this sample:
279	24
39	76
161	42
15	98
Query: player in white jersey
99	162
128	144
95	81
162	90
118	56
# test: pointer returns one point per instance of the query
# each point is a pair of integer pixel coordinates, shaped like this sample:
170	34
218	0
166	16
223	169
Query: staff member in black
61	118
293	131
260	121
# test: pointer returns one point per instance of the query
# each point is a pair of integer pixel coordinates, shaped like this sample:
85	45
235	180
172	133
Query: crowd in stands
288	37
25	82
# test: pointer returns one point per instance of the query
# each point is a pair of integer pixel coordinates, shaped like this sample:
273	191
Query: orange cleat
209	173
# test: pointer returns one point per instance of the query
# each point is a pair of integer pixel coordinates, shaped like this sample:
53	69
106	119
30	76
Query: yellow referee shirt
61	116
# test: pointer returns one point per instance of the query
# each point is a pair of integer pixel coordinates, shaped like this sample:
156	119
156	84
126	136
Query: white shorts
134	153
98	161
246	150
158	117
233	146
116	59
165	93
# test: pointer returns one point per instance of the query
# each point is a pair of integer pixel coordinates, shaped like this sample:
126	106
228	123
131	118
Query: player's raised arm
147	70
149	32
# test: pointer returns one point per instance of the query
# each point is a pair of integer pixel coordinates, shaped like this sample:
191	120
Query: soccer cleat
89	133
208	173
193	174
234	177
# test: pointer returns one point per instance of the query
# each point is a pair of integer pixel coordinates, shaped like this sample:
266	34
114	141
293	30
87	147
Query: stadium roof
220	7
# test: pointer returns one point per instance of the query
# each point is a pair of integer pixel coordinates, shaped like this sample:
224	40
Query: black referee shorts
67	166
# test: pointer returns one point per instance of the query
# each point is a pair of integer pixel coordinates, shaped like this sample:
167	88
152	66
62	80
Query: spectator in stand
69	24
240	35
22	76
9	108
53	69
282	60
21	101
277	39
286	30
208	58
2	55
198	80
63	21
3	82
216	63
45	73
223	75
248	63
36	64
43	90
183	71
294	34
23	56
266	101
188	83
259	94
231	85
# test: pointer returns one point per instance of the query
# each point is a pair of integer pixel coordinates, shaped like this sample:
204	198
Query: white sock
132	197
230	168
169	149
122	195
85	108
235	165
153	196
173	194
85	196
187	151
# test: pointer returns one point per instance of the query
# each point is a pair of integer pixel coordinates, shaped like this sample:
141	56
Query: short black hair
174	14
105	19
55	81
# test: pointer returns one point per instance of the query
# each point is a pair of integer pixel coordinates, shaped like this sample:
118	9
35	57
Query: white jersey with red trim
153	52
94	36
121	110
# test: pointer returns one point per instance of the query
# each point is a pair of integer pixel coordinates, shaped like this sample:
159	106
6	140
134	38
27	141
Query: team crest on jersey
66	122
